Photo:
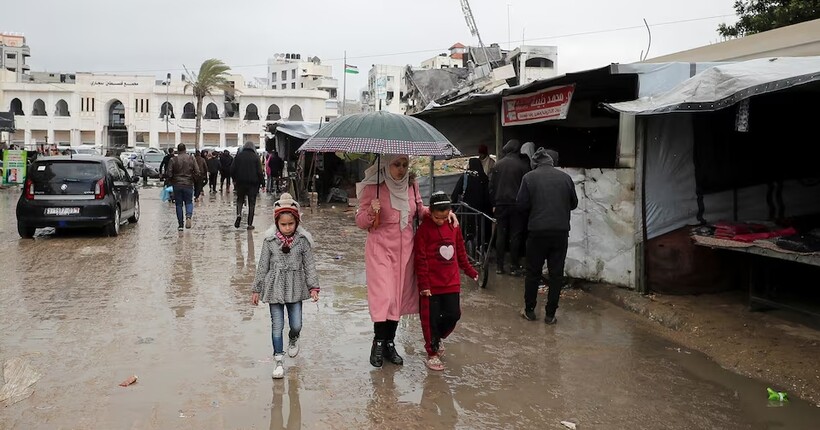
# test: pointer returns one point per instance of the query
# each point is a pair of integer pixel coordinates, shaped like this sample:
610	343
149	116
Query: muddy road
88	311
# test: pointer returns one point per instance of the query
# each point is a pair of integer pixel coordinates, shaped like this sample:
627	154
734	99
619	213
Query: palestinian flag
351	69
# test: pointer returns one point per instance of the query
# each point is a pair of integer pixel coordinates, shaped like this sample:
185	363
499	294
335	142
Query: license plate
62	211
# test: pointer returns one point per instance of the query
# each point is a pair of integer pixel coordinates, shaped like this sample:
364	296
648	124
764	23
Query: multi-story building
386	87
122	111
13	54
290	71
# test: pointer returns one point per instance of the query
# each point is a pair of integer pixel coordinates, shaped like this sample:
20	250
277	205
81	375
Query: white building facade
386	87
126	111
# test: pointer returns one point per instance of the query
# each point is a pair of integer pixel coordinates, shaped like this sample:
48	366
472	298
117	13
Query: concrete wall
602	236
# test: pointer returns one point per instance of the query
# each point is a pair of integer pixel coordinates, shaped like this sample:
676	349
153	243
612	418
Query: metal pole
509	38
167	84
344	85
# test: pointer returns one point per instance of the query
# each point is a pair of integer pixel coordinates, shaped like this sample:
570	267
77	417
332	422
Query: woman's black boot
377	353
391	354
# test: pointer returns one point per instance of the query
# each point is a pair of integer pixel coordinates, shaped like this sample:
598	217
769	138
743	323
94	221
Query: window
295	113
284	86
166	109
284	75
211	112
39	108
16	107
11	56
114	171
303	85
85	104
293	74
273	77
293	85
61	109
188	111
251	113
273	113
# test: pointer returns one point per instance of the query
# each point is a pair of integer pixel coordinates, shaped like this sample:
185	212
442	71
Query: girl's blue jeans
277	322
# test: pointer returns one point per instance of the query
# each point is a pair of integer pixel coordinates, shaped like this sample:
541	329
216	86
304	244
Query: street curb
636	303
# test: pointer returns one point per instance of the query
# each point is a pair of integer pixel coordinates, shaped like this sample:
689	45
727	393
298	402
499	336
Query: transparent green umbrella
380	133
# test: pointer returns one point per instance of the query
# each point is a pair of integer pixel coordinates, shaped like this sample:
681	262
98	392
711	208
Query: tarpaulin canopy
724	85
298	129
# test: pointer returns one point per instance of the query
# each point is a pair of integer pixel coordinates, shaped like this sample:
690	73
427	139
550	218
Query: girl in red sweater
439	254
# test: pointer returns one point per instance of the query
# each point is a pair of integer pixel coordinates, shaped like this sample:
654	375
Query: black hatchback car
77	191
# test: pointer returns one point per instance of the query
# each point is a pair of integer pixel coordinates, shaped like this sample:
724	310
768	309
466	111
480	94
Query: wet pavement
87	311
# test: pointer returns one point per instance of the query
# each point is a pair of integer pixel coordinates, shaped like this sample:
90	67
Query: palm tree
212	76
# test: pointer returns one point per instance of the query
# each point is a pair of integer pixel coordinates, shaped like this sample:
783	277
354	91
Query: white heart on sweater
447	252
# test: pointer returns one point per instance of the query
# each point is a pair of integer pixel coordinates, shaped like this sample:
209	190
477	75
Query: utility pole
167	84
509	37
344	84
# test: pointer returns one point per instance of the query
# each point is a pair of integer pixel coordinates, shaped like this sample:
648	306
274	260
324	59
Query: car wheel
136	217
113	229
26	232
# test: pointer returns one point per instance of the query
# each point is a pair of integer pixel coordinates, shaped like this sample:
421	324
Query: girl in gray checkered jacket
285	276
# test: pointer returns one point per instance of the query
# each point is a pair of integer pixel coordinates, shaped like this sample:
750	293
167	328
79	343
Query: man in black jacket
213	169
505	181
549	196
225	161
248	176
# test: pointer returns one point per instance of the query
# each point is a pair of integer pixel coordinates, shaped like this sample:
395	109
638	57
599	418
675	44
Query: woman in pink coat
391	280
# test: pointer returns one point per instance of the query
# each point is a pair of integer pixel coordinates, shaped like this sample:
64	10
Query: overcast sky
154	37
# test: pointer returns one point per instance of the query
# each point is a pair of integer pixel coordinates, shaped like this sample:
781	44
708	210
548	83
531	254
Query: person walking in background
473	188
213	169
487	162
202	177
182	171
277	166
285	276
504	184
548	194
225	161
268	177
439	254
248	177
163	165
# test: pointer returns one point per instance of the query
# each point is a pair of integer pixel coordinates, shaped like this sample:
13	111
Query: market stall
727	152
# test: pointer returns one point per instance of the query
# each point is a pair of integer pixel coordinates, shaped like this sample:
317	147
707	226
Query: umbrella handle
377	216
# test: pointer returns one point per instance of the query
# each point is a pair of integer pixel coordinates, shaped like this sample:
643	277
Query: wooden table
758	274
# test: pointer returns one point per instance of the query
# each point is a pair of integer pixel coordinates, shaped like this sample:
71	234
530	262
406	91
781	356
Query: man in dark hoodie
505	181
213	169
248	176
549	196
225	161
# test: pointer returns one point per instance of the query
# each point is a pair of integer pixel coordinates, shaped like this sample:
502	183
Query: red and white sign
551	103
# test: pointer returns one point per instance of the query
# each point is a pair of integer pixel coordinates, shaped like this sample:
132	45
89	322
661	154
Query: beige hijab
376	174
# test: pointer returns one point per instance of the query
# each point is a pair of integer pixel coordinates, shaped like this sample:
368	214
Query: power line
425	51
